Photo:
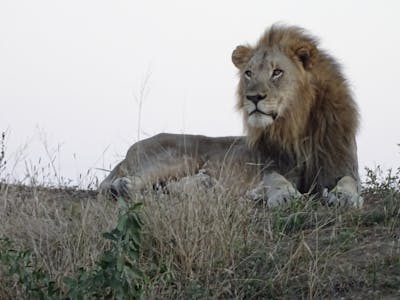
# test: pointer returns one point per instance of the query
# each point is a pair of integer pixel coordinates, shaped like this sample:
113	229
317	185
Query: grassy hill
208	245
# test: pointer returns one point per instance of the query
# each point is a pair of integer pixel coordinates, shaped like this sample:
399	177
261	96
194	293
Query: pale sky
71	72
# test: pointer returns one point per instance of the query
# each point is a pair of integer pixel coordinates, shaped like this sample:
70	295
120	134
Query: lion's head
274	89
292	95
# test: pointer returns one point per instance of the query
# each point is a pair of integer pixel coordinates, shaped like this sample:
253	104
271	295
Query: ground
215	244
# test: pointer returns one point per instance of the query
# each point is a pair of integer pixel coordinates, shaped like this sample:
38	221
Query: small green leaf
122	223
109	236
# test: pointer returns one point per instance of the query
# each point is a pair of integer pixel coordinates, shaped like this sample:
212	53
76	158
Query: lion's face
268	84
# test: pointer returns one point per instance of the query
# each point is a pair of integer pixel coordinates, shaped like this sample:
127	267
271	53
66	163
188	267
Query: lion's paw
125	186
343	199
191	184
256	194
274	196
281	196
345	193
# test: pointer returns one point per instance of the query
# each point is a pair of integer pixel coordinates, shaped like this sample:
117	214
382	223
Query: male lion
300	121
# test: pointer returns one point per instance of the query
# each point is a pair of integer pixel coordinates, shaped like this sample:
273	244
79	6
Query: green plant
115	276
379	181
20	264
296	217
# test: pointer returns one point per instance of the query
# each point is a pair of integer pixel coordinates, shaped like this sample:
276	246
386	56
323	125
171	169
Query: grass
213	244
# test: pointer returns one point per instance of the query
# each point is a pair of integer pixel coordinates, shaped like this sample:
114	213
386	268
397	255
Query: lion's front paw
280	196
342	198
120	187
191	184
125	186
345	193
257	194
274	196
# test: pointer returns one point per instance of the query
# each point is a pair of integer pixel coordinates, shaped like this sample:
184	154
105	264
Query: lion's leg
158	159
346	192
173	156
275	189
148	162
151	171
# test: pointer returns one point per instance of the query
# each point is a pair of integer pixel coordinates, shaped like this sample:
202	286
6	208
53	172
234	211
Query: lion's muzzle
273	115
256	98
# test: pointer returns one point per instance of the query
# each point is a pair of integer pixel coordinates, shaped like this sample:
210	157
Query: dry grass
222	246
215	244
61	226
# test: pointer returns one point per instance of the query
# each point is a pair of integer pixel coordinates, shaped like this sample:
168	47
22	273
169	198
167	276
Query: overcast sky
72	72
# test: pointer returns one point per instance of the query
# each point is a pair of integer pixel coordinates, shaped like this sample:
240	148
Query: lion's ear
305	54
241	55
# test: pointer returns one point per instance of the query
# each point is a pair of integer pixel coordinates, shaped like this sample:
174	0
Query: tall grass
3	161
214	243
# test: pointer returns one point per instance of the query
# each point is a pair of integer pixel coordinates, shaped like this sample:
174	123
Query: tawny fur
309	143
318	131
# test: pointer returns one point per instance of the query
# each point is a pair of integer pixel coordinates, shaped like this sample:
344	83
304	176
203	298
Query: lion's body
299	117
172	156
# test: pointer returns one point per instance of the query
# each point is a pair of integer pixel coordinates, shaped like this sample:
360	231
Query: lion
300	122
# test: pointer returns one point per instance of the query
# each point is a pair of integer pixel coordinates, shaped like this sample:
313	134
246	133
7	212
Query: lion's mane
317	133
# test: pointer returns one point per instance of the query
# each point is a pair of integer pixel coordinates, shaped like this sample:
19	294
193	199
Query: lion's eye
277	73
248	74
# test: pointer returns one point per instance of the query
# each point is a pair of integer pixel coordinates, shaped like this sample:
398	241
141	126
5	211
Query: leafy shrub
115	276
379	181
19	264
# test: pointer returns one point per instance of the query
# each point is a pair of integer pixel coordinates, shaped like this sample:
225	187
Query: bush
381	182
115	276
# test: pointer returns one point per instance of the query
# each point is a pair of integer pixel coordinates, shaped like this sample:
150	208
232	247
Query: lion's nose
256	98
